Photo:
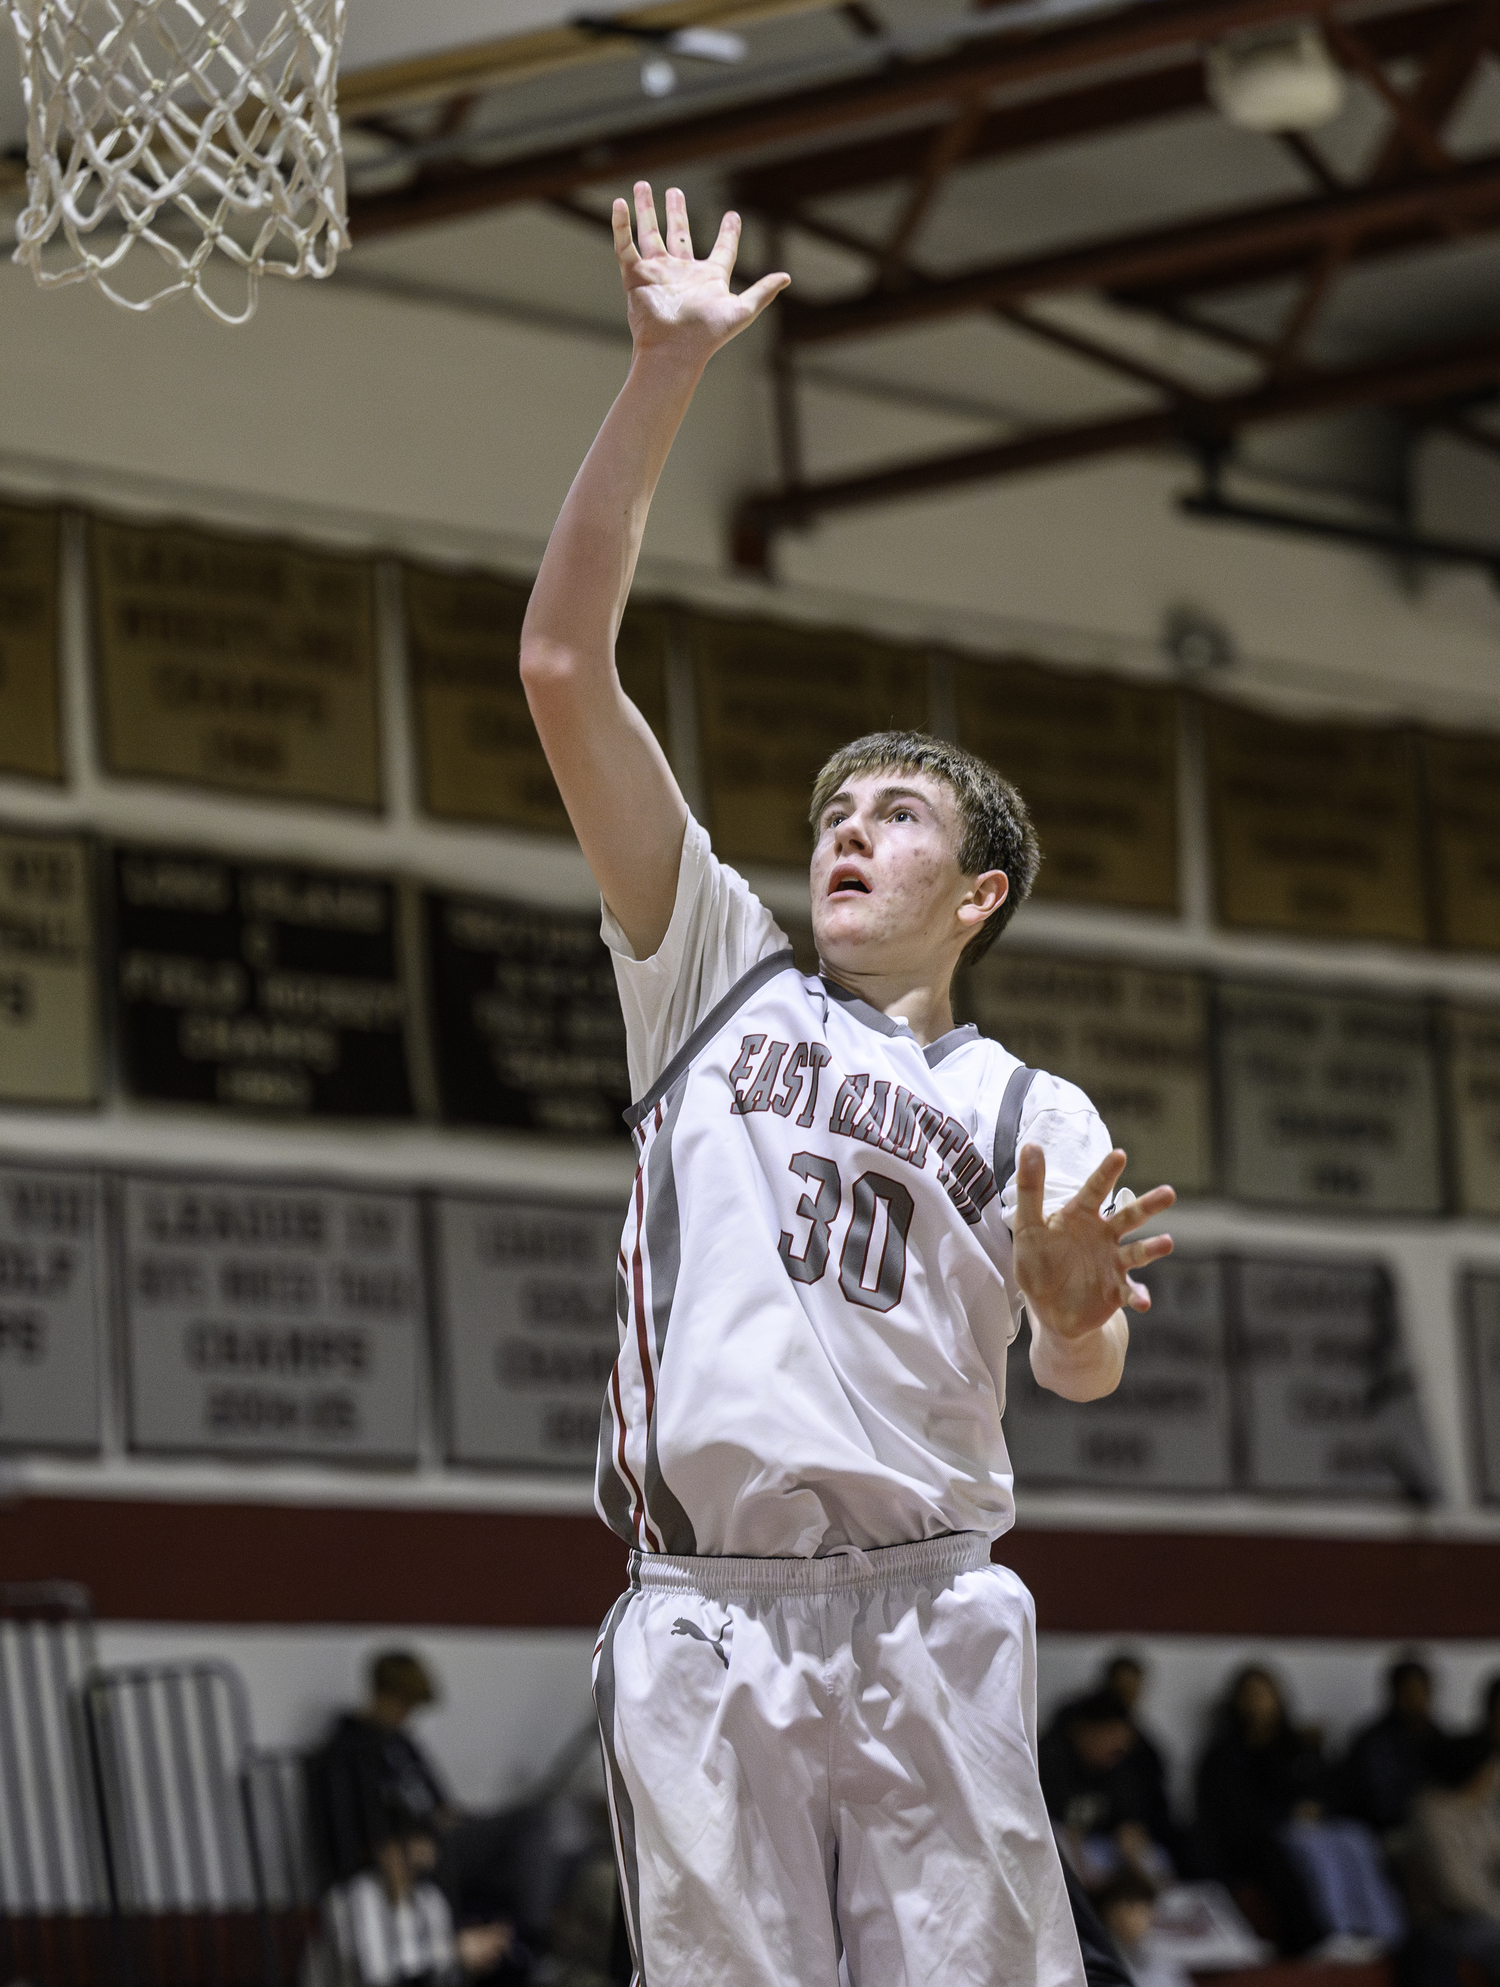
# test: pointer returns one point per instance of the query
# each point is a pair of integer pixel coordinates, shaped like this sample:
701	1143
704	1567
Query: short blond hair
995	829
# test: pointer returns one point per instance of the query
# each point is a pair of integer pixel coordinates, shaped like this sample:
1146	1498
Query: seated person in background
1107	1812
1457	1849
370	1780
391	1926
1125	1680
1257	1774
1262	1799
1399	1753
370	1777
1124	1905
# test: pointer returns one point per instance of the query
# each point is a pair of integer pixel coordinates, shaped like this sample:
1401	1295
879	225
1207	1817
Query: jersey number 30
820	1209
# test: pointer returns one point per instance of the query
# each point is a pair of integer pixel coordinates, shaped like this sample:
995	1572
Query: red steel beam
1411	378
1051	119
1005	60
1191	257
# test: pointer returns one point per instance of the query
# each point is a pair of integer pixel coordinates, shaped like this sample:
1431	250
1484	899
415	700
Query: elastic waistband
719	1579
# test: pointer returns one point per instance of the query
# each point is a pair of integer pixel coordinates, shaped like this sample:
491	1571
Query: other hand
481	1948
1073	1267
672	298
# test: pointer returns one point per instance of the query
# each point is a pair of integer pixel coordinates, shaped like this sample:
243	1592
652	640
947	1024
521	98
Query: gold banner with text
1316	828
774	702
1462	781
49	1038
1095	760
480	757
29	706
236	663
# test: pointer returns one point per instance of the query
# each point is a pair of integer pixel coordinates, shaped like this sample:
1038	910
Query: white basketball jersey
814	1284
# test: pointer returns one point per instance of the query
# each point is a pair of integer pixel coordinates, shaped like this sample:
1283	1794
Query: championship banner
1135	1039
1461	778
1328	1100
526	1022
1095	760
774	701
262	985
274	1318
1471	1041
527	1326
479	754
236	663
30	705
53	1280
49	1034
1166	1427
1316	828
1329	1404
1481	1301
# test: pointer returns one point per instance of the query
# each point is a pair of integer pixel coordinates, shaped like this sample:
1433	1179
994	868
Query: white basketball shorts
825	1762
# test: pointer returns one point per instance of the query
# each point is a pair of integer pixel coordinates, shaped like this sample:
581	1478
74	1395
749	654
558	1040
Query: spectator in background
1262	1797
370	1780
1125	1906
1457	1847
1257	1774
1402	1751
370	1783
1106	1811
1125	1680
391	1926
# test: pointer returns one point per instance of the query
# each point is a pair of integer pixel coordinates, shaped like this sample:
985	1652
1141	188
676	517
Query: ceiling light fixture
1280	81
658	75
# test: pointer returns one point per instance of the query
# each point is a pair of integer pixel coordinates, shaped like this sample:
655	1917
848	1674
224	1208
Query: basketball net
189	128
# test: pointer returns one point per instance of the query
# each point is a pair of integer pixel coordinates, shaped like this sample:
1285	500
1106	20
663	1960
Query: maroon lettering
870	1124
818	1055
758	1097
750	1048
847	1103
950	1138
784	1104
901	1140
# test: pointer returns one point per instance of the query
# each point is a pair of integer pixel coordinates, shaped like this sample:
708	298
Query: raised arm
626	808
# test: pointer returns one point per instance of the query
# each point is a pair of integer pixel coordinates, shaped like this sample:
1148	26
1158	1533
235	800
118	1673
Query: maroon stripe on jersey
643	1533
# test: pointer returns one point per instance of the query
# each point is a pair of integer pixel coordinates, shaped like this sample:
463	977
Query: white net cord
195	129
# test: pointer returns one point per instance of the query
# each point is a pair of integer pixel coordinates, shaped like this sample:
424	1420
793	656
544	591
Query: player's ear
985	895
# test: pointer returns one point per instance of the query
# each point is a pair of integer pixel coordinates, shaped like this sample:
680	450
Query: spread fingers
647	233
679	234
626	252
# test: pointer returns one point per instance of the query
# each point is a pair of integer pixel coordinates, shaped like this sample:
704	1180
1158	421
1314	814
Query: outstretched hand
672	298
1073	1266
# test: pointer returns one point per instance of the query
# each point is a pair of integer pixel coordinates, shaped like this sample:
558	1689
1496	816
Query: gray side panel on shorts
664	1250
604	1706
1008	1124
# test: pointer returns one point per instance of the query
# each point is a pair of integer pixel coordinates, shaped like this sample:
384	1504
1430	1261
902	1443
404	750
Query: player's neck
922	1004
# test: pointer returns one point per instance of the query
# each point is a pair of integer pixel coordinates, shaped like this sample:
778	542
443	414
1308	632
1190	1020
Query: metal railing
52	1896
170	1754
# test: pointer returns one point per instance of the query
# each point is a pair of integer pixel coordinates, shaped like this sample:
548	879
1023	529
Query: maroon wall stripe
154	1560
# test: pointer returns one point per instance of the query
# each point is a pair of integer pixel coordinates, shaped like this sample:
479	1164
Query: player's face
887	890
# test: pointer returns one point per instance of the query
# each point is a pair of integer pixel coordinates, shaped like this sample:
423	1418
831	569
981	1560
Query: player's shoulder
1043	1091
1056	1093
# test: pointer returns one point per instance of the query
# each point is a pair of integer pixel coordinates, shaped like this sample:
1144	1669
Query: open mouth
846	883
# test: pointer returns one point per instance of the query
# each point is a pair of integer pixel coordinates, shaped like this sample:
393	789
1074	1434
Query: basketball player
817	1697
